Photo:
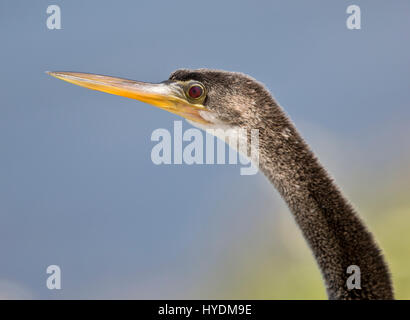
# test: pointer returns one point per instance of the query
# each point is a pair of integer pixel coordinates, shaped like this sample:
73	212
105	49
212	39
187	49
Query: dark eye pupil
195	92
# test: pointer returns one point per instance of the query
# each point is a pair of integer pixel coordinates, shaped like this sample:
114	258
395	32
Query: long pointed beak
166	95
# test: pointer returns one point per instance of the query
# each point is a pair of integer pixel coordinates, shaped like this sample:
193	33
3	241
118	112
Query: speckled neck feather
335	233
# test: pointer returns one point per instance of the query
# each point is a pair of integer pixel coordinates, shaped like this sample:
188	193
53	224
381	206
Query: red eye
195	91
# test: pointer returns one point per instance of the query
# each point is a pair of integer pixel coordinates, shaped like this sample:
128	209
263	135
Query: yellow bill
167	95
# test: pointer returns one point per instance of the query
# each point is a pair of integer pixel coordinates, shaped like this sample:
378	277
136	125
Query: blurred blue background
77	184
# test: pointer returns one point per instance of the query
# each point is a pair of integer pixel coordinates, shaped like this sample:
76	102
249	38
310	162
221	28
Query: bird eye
195	91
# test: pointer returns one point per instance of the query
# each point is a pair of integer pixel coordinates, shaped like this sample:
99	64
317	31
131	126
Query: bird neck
333	230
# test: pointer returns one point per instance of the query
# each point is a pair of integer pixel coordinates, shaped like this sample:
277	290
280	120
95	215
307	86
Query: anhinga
215	98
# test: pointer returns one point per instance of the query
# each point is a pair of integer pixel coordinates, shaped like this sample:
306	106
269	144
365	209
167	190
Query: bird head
206	98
